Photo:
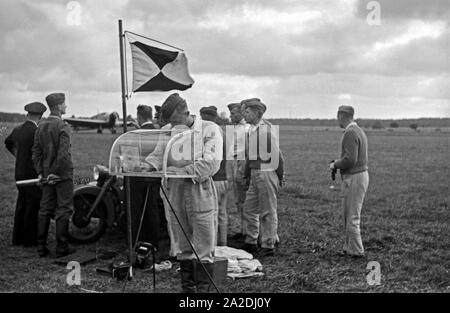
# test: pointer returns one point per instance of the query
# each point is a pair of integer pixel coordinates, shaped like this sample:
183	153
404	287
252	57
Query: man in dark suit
144	116
153	223
19	143
53	160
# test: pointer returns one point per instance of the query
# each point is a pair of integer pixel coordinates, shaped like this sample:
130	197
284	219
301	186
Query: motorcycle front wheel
81	229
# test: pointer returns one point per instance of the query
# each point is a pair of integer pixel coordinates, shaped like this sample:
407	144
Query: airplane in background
99	121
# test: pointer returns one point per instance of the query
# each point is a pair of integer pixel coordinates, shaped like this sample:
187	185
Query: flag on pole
156	69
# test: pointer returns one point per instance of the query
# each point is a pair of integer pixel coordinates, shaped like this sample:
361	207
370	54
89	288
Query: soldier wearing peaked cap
352	165
237	163
255	104
211	110
35	108
53	160
264	175
19	143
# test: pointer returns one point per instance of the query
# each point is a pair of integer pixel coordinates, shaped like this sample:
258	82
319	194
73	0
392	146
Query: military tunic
265	174
52	155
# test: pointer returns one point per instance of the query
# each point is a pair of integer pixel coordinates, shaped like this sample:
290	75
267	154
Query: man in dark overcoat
19	143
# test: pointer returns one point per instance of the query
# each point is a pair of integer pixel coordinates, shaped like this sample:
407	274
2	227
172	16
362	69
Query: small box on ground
220	270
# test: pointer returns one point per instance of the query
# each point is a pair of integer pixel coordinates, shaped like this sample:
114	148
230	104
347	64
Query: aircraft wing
85	122
130	122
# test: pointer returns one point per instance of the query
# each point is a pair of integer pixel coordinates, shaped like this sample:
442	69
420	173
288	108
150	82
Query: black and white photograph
247	148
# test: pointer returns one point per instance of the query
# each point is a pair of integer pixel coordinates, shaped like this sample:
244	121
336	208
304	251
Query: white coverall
193	200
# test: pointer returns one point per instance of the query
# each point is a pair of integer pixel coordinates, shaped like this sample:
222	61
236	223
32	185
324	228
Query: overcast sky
301	58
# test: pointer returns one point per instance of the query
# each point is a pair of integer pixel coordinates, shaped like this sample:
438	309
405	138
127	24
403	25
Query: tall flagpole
122	75
126	178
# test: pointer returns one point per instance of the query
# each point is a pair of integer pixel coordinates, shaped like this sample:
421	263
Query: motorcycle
97	206
101	204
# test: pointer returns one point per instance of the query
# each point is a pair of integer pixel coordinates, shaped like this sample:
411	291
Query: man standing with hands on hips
355	178
264	174
237	163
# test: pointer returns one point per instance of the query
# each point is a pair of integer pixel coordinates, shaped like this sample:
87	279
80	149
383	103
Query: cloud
302	58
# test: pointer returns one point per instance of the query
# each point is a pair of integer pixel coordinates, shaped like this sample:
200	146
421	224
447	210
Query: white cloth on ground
241	264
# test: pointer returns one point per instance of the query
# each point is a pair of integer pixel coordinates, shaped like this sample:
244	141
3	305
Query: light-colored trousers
354	189
174	247
195	206
238	187
260	209
221	219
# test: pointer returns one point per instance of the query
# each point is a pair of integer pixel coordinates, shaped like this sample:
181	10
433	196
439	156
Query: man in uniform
19	143
264	175
53	160
194	200
355	178
154	211
220	182
237	163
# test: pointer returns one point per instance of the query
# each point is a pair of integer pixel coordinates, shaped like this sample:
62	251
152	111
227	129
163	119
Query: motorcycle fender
95	191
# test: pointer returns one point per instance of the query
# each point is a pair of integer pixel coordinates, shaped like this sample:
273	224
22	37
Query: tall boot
62	241
43	225
204	284
187	271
